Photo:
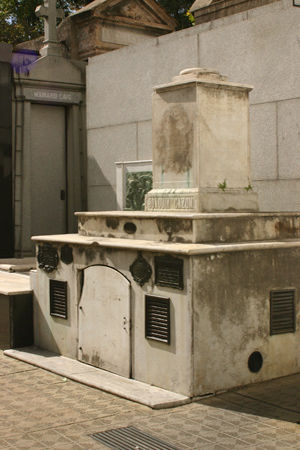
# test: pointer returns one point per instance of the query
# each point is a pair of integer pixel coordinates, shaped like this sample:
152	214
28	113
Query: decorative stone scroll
140	270
47	258
66	254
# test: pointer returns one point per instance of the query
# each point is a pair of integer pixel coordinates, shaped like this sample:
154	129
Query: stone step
18	264
12	284
139	392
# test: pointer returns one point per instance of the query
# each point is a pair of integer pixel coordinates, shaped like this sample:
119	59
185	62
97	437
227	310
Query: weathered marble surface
190	228
224	303
201	147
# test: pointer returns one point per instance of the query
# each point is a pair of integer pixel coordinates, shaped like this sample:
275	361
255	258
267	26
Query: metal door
104	320
48	170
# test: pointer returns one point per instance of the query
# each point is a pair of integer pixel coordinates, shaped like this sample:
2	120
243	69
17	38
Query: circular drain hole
255	362
129	228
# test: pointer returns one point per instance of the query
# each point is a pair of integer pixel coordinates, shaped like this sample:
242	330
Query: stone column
201	147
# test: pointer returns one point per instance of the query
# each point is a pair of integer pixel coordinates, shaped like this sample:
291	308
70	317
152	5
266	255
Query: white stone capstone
199	72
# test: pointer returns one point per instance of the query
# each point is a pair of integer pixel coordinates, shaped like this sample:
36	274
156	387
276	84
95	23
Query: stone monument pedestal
201	149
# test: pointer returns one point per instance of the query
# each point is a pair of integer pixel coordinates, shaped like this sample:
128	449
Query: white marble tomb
191	301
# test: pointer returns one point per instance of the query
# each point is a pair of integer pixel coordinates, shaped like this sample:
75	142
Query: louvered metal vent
58	299
130	438
282	311
158	318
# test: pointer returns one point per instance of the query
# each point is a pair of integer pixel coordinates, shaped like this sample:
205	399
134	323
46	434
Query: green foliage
138	184
179	9
18	22
190	17
249	188
223	185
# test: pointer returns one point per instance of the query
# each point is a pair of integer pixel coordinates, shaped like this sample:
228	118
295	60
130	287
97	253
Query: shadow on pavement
276	399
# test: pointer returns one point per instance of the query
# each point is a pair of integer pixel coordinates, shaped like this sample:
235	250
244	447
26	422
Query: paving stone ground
40	410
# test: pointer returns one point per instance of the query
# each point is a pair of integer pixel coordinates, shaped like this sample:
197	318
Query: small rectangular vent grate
130	438
157	318
282	311
58	299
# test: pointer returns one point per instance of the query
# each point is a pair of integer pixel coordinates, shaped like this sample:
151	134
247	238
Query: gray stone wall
260	47
236	312
223	8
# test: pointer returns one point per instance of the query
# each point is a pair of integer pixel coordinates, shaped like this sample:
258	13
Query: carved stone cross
49	12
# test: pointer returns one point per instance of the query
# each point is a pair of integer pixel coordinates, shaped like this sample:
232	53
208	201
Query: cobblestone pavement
40	410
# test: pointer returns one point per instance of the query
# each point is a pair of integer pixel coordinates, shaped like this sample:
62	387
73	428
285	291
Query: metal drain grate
130	438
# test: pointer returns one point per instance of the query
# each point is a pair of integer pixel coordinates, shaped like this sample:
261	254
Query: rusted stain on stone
175	140
287	228
85	357
83	219
96	360
234	289
172	226
228	231
89	254
112	222
181	240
